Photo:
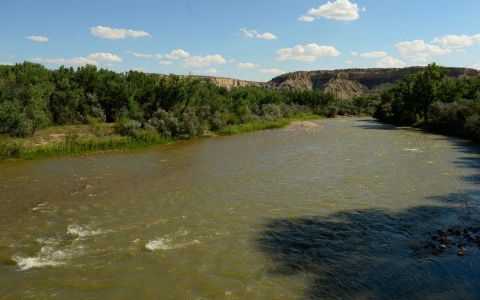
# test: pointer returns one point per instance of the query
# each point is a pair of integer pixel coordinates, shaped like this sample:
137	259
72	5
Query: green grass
265	125
17	149
76	144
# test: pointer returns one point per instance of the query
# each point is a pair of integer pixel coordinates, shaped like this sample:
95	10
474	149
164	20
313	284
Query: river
344	212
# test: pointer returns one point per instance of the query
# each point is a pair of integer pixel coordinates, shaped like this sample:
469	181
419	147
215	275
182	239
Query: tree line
432	100
33	97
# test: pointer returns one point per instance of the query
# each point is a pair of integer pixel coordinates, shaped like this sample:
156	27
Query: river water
340	213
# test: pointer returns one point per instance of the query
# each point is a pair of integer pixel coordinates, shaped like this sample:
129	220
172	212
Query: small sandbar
304	126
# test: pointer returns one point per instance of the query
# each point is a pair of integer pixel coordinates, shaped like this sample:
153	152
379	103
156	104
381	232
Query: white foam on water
82	231
167	244
46	257
160	244
411	149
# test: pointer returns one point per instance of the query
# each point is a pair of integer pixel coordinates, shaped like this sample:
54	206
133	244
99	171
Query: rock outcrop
351	83
229	82
345	84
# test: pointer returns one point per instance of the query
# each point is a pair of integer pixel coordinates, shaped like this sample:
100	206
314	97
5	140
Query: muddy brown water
340	213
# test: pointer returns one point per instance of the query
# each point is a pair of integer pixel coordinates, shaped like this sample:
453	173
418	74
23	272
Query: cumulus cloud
212	71
232	60
92	59
308	52
165	62
104	57
354	53
349	62
38	38
139	54
390	62
419	60
306	18
72	61
457	41
255	34
419	48
110	33
203	61
140	69
374	54
272	71
461	51
5	63
177	54
246	65
476	66
341	10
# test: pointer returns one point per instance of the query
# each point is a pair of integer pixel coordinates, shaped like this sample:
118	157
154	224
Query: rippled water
343	212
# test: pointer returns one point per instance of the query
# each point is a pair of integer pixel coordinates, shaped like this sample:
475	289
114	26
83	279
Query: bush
164	123
127	127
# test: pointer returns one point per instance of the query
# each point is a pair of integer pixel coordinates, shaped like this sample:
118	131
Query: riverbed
344	211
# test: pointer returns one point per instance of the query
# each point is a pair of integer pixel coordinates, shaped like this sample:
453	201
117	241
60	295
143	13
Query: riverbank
81	139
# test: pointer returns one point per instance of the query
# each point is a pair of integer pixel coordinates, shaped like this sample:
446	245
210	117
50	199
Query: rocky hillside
351	83
345	84
228	83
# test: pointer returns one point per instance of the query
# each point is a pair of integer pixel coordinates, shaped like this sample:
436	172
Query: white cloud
232	60
38	38
304	18
110	65
419	48
5	63
140	69
139	54
390	62
104	57
457	41
308	52
164	62
246	65
71	61
374	54
419	60
177	54
476	66
110	33
272	71
354	53
212	71
255	34
203	61
158	56
349	62
92	59
461	51
341	10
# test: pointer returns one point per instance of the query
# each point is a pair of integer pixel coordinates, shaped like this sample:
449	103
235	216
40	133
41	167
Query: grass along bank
81	139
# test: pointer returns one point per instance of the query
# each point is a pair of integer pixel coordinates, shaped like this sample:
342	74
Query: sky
248	40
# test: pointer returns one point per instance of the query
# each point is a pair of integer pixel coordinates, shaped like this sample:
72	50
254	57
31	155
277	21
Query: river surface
339	213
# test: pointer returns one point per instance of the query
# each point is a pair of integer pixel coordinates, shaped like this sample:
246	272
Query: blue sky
250	40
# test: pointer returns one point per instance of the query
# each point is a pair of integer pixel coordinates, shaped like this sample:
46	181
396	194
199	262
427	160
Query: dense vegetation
33	97
433	100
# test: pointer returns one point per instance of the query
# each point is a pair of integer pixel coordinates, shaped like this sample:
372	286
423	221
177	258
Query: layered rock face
351	83
345	84
229	82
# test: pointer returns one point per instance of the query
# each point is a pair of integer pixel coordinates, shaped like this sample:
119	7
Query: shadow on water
373	254
377	254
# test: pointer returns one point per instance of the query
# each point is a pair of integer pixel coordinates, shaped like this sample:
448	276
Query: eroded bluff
351	83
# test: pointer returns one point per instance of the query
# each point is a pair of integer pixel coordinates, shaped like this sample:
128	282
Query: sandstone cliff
350	83
345	84
228	83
